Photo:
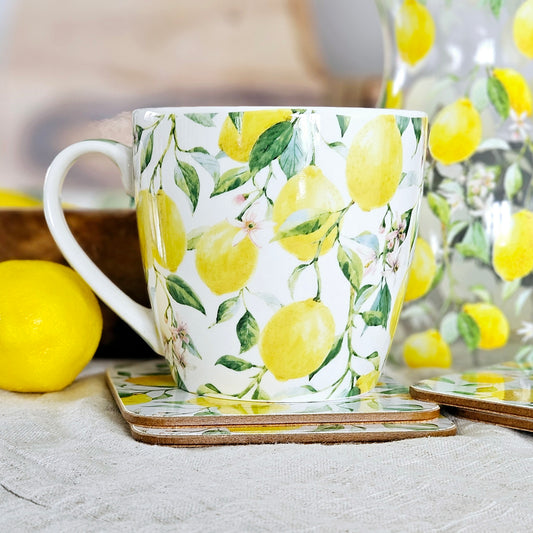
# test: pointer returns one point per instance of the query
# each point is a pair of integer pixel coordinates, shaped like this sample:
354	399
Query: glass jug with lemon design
469	65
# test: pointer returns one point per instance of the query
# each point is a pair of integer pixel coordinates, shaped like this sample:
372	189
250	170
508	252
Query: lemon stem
254	383
258	194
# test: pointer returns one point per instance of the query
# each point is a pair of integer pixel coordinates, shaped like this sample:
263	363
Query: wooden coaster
297	433
509	421
501	394
146	396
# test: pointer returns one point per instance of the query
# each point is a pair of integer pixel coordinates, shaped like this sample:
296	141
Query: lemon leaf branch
255	382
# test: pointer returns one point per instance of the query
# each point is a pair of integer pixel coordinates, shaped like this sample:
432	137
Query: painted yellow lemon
484	377
427	349
161	230
512	253
223	266
136	399
374	163
517	89
153	380
368	381
422	271
415	31
239	407
309	189
523	28
492	323
297	339
50	325
455	132
397	307
393	99
238	145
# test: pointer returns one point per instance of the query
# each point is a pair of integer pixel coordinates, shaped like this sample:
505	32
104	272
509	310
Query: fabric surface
68	462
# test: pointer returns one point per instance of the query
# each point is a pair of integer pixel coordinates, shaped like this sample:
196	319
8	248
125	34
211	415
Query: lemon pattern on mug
523	28
277	198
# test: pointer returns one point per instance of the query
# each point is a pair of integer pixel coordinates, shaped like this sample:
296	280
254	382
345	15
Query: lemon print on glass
517	89
297	339
422	271
415	31
523	28
455	132
161	231
238	144
9	198
512	254
309	189
224	266
374	163
427	349
492	323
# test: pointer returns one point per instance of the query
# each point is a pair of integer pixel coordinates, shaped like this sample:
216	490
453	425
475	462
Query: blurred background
74	70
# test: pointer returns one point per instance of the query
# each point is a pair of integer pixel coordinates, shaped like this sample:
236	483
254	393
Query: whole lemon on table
161	230
455	132
222	265
374	163
523	28
309	189
512	253
10	198
492	323
422	271
50	325
238	144
427	349
297	339
415	31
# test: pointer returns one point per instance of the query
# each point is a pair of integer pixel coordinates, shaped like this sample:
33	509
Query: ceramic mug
276	243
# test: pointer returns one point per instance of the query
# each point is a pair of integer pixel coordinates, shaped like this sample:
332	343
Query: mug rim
238	108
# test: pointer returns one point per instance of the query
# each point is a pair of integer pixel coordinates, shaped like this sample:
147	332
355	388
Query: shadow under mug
276	243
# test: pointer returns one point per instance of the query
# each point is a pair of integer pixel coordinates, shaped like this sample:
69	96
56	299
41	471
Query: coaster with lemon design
501	394
160	413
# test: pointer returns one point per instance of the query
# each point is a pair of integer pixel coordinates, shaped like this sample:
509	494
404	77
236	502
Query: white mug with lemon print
276	243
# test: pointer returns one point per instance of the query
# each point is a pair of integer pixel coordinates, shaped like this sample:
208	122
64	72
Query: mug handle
139	317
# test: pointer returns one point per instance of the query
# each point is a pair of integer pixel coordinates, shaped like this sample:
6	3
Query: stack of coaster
499	394
159	413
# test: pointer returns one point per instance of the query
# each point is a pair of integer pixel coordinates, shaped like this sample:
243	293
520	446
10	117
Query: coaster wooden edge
478	404
509	421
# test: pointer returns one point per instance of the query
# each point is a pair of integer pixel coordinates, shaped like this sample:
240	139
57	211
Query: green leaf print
417	126
270	145
495	6
382	304
344	122
146	153
302	222
498	96
209	162
372	318
234	363
512	181
402	123
227	309
186	178
469	330
475	243
247	331
298	153
439	206
231	179
351	266
205	119
182	293
335	350
236	118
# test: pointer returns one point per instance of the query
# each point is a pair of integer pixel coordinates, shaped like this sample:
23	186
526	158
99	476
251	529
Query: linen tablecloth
68	463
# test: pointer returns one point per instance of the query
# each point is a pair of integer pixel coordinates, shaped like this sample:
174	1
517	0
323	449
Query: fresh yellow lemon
368	381
492	323
422	271
374	163
238	145
393	99
427	349
50	325
523	28
456	132
309	189
223	266
297	339
153	380
161	231
517	89
9	198
415	31
512	253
